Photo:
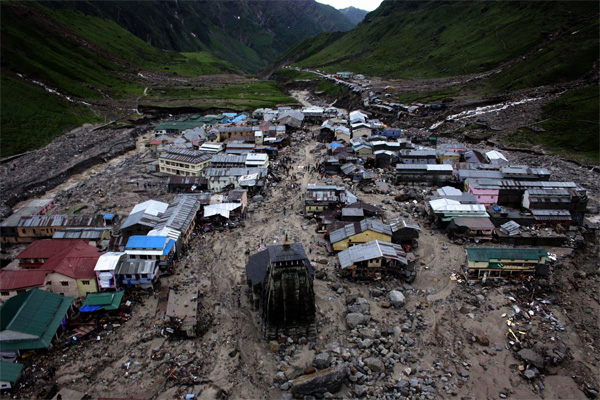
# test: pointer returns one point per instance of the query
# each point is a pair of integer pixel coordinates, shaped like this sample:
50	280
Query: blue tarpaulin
238	118
89	308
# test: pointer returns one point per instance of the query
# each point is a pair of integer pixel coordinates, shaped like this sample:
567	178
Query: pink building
485	196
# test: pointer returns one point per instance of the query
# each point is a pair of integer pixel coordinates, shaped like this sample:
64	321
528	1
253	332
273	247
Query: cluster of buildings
483	196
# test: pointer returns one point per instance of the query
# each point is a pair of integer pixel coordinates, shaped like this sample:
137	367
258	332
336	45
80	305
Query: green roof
108	301
498	253
10	372
30	320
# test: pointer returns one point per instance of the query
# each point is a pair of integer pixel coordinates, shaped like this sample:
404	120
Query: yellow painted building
449	155
183	162
62	284
355	233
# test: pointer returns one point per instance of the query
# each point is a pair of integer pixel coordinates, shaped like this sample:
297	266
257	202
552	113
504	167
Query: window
87	283
64	283
19	291
3	293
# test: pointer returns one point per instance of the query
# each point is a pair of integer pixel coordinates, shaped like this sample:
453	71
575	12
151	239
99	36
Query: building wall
85	286
485	197
312	209
181	168
7	294
61	284
362	237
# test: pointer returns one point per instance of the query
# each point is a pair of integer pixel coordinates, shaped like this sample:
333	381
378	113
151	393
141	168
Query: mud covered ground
449	340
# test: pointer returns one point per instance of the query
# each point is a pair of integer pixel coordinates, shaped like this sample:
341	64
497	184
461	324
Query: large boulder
322	361
397	298
531	357
361	306
375	364
355	319
328	380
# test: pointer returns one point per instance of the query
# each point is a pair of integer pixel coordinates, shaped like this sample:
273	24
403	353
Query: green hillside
408	39
248	34
80	57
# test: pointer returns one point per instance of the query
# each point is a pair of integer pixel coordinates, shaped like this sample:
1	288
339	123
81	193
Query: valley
237	121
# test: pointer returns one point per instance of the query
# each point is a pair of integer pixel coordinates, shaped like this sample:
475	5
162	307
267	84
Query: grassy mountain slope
55	62
408	39
246	33
354	15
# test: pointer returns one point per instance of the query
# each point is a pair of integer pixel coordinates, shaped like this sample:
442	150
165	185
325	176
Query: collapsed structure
281	282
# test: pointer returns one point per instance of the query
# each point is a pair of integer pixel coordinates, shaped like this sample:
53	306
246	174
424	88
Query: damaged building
376	259
493	262
281	282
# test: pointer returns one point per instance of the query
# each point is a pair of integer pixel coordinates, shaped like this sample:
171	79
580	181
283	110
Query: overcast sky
368	5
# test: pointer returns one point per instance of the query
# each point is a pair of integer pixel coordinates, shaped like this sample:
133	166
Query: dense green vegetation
289	75
242	96
33	116
432	39
79	56
246	34
570	126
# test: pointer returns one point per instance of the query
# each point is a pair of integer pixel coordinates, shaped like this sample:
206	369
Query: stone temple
281	282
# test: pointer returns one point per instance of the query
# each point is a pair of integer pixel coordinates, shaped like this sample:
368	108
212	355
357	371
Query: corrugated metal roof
146	242
371	250
109	261
411	167
134	266
60	220
497	253
359	227
180	214
474	223
10	371
47	248
80	233
21	278
151	207
141	218
107	301
353	212
185	155
30	320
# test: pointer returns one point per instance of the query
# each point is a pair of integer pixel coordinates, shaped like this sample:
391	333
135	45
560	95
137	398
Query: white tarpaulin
105	278
222	209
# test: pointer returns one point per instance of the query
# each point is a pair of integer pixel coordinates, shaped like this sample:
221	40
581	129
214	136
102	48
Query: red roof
48	248
155	141
77	262
21	278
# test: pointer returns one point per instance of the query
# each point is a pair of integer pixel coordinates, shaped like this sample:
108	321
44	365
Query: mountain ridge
355	15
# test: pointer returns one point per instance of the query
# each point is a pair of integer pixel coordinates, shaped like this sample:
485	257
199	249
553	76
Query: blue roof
108	216
230	114
238	118
146	242
335	144
168	247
